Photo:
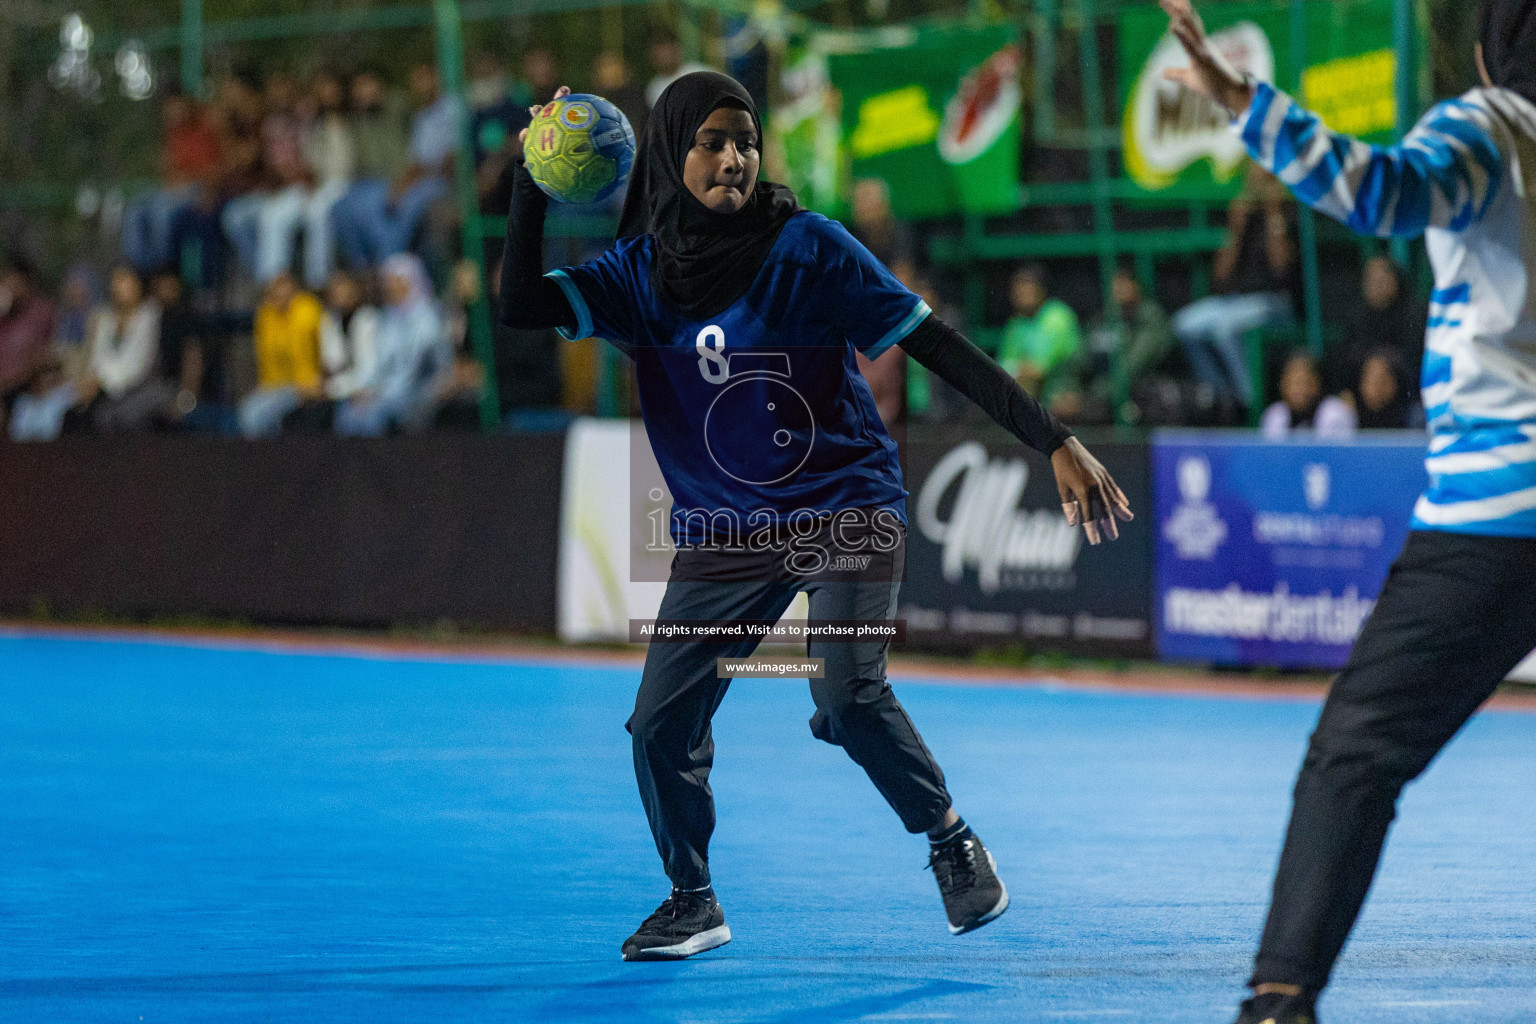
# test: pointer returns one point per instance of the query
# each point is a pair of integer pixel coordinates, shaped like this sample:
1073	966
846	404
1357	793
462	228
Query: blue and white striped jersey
1465	178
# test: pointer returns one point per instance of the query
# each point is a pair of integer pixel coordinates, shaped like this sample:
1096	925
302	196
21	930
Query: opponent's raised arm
1445	173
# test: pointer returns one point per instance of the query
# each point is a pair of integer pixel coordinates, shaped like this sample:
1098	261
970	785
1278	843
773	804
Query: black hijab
1507	30
704	260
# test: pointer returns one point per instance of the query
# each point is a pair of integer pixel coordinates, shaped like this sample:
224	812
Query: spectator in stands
348	337
458	396
876	226
378	218
1387	317
190	158
348	330
495	117
38	412
1383	399
612	81
287	336
494	128
122	390
285	181
1302	406
540	76
80	294
379	131
197	227
1041	343
1141	338
26	328
1252	278
486	85
669	65
415	357
316	157
187	358
929	396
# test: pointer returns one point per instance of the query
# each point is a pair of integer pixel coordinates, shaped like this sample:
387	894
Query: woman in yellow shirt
287	335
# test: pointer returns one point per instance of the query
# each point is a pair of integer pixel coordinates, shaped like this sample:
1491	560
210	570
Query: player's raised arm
1444	173
529	300
1089	495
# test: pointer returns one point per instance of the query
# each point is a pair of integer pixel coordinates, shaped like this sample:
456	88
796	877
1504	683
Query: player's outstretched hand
564	90
1089	495
1208	74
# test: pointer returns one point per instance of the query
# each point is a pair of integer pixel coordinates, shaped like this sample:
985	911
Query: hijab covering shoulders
703	260
1507	30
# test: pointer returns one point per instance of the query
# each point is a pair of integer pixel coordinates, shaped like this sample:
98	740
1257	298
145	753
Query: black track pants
855	709
1458	612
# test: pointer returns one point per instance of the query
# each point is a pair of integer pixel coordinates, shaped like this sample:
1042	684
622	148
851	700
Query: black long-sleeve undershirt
531	301
950	354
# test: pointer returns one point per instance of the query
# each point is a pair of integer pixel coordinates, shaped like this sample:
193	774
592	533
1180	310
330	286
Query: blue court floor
190	833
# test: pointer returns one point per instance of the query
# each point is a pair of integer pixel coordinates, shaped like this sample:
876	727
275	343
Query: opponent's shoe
967	877
1274	1008
685	924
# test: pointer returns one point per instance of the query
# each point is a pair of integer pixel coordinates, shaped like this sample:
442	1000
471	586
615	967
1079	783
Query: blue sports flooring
199	834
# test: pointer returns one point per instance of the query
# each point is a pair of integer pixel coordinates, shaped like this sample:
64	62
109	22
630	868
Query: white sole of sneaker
705	940
991	915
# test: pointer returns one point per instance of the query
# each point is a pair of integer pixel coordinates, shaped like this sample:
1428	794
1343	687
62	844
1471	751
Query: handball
580	148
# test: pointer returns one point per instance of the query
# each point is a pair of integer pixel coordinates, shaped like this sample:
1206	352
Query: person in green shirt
1041	342
1143	338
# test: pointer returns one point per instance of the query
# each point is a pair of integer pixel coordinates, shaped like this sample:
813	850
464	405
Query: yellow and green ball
580	149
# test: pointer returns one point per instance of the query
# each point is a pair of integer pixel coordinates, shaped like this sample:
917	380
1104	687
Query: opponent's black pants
856	710
1456	614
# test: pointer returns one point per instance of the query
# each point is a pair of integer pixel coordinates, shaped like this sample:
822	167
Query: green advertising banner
938	119
806	145
1171	136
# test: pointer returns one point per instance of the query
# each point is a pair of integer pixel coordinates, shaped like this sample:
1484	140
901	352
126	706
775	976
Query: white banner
597	598
599	530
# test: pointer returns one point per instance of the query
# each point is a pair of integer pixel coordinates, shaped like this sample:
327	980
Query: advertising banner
937	120
597	596
1273	553
991	561
1172	136
615	551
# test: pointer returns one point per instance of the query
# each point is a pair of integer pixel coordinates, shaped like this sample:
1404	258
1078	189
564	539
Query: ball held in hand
580	148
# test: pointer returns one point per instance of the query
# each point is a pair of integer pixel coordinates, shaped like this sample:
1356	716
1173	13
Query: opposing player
743	313
1459	608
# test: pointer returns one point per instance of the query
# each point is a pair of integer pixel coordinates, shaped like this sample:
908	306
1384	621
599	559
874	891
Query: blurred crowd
1232	357
294	270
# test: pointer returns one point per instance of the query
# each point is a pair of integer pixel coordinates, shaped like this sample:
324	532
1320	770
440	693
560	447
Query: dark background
301	530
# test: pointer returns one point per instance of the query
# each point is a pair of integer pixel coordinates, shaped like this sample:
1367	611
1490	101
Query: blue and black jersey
760	409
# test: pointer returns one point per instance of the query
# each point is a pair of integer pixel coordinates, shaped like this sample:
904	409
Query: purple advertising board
1273	552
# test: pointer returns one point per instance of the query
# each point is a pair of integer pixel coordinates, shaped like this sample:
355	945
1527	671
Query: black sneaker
687	923
1273	1008
967	876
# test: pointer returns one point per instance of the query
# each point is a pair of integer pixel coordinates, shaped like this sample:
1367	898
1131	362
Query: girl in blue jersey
743	314
1458	610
